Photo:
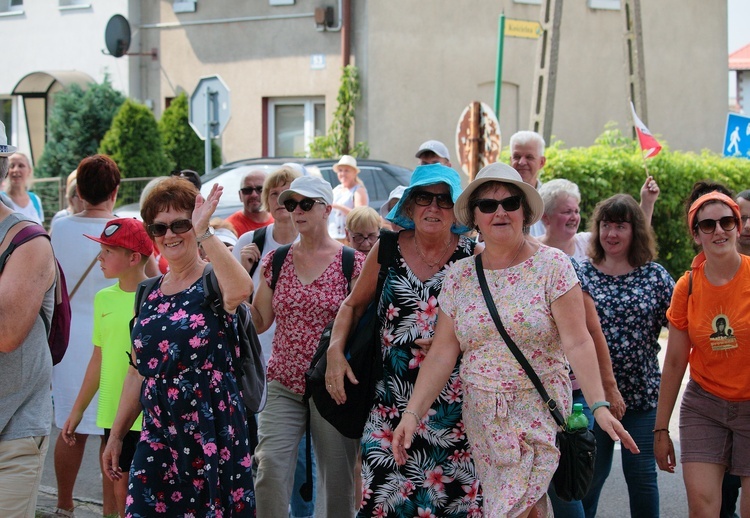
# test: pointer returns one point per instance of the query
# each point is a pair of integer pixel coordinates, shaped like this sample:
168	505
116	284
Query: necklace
424	259
518	251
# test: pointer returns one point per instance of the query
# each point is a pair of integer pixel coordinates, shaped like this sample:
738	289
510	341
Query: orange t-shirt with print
717	319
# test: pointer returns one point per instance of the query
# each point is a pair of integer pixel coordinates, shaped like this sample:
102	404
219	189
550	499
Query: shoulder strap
37	204
347	265
259	239
388	242
211	290
142	291
278	261
25	234
690	283
548	401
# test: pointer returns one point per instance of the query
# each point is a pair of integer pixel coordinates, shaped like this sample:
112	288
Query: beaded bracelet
416	416
660	430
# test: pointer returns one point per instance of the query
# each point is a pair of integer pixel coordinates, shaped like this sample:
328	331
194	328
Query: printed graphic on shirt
723	337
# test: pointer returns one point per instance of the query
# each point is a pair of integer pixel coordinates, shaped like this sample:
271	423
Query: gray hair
745	195
4	166
527	137
553	190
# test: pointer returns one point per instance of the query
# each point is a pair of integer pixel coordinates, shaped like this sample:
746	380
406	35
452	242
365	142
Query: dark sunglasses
249	190
179	226
707	226
424	199
490	205
305	204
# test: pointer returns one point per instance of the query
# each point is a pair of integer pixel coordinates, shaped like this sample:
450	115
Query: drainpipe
345	23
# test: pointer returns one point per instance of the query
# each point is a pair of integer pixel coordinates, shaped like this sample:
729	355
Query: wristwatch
209	232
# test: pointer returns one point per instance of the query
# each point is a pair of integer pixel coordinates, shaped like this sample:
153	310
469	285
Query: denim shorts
714	430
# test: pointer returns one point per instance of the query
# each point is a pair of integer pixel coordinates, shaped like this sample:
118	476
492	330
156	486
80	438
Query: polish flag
649	145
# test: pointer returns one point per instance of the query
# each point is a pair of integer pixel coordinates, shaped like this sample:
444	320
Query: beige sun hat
347	160
498	172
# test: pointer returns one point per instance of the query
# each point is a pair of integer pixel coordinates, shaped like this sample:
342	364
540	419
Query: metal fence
52	193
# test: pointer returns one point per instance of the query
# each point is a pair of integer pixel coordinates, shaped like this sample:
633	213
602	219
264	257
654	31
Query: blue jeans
300	508
574	508
639	470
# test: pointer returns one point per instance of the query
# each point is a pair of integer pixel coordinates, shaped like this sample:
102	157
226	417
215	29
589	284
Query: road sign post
737	136
209	112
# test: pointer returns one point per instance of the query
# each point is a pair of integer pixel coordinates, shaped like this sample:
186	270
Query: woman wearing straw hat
350	193
508	425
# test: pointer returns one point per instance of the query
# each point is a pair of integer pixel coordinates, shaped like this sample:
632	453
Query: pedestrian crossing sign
737	136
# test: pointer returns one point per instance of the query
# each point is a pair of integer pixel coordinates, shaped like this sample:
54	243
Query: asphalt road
613	503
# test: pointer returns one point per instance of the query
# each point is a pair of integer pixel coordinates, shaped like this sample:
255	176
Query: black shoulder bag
577	447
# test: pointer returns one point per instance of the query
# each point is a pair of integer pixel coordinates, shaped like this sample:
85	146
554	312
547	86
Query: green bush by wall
181	144
614	165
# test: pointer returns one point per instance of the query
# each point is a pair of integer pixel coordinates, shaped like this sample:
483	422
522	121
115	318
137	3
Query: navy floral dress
194	456
439	479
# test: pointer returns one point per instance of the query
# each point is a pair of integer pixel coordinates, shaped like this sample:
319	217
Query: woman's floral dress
510	429
194	456
439	479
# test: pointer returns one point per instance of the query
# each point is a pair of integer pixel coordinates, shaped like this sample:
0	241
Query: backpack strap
259	240
278	261
347	265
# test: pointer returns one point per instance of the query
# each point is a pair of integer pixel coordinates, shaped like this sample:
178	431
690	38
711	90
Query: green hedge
614	165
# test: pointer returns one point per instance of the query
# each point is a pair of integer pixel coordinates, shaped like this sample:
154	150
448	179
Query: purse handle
550	403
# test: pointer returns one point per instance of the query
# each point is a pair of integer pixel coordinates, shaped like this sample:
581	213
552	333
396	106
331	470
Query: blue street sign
737	136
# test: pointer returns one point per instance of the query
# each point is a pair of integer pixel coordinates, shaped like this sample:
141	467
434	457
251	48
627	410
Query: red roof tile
740	59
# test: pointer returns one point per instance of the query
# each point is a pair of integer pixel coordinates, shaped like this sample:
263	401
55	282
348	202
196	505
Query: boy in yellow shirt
126	248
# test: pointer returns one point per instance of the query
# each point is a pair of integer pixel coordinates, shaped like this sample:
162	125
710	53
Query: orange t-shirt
243	224
717	319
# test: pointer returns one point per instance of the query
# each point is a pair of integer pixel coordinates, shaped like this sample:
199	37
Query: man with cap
251	216
433	152
27	284
125	249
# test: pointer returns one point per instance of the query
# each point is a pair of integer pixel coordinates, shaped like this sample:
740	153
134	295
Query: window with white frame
74	4
293	123
11	6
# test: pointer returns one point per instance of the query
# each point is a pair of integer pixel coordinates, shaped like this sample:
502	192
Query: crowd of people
456	428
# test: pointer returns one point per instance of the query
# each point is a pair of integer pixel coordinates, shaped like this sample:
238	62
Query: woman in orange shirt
710	330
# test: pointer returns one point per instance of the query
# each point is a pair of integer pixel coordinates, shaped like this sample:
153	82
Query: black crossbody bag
577	447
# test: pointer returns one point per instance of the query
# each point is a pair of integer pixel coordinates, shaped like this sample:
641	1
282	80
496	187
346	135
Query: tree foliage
181	144
614	165
337	141
134	143
77	123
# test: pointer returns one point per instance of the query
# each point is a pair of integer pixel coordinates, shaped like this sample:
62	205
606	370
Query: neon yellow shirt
113	309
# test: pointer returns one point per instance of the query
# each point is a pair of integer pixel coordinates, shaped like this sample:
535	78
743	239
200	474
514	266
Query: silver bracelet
416	416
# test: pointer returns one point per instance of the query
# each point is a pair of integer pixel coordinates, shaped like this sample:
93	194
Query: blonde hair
362	217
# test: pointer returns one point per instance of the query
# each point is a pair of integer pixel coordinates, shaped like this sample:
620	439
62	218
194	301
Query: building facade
421	63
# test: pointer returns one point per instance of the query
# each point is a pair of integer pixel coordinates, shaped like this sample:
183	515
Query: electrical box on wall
184	6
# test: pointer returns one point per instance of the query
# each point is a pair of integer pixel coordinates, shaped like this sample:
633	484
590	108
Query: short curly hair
171	193
622	208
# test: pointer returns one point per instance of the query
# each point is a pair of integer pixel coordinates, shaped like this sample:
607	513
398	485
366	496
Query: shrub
134	143
181	144
77	123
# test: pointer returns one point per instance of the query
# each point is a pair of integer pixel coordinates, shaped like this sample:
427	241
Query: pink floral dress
511	431
194	457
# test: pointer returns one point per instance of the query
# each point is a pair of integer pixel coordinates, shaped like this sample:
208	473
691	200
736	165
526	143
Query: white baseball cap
309	187
436	147
5	149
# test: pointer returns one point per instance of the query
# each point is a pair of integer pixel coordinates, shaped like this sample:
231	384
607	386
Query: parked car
379	177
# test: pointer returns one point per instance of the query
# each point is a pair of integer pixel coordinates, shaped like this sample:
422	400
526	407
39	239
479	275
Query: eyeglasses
490	205
249	190
305	204
744	220
424	199
707	226
179	226
359	238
